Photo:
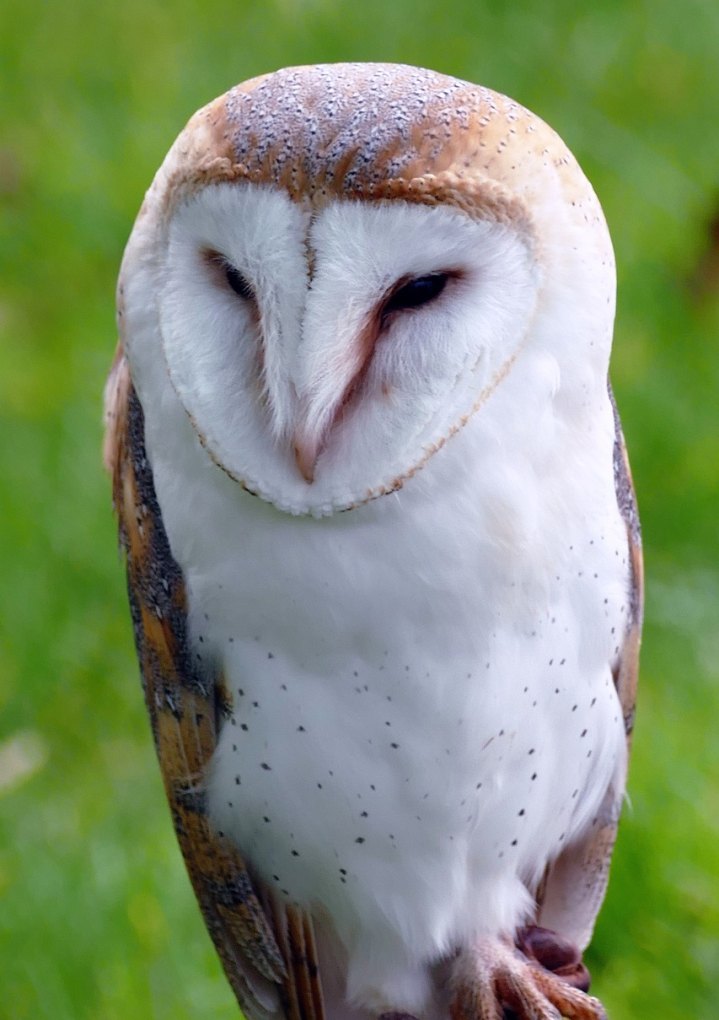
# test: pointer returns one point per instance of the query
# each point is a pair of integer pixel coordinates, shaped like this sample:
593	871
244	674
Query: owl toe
571	1002
495	982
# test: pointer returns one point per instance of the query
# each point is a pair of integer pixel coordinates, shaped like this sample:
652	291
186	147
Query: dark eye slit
414	293
232	276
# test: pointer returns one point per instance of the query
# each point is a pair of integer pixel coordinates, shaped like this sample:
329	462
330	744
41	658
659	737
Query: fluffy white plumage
424	711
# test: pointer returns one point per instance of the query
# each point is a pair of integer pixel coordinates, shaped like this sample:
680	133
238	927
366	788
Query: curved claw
554	953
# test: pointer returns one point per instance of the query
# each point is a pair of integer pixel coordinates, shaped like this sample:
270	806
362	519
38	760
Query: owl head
337	266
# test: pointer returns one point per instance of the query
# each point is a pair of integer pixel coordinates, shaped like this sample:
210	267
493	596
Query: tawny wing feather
266	947
574	887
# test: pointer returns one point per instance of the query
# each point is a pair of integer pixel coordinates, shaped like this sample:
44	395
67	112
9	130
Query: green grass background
96	916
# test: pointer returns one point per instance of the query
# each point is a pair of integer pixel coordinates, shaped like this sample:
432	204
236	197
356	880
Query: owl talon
497	982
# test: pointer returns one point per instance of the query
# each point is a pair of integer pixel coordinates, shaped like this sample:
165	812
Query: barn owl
383	554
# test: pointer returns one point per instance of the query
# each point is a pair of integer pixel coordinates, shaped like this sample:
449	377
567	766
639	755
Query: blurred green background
96	916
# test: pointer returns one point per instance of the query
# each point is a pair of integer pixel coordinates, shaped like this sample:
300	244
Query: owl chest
386	709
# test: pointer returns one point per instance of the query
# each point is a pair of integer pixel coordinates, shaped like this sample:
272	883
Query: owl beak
306	453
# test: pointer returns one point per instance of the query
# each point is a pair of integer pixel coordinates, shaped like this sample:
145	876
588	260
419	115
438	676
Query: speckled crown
381	131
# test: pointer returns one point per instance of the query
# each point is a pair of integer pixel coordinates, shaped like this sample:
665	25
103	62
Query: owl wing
267	948
574	886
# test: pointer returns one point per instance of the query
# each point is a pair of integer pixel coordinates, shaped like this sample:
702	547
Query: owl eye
419	291
227	274
237	282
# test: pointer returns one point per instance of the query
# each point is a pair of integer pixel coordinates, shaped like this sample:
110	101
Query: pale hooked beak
306	453
323	393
